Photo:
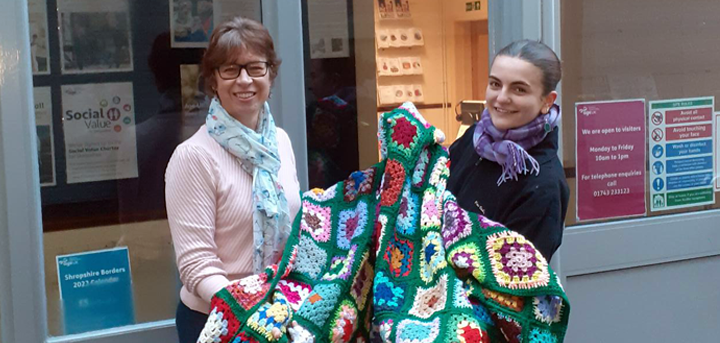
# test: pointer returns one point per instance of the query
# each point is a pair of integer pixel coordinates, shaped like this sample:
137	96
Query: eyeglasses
254	69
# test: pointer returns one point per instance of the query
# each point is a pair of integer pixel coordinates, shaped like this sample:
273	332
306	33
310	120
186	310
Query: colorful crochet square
548	308
386	295
294	291
542	336
486	223
344	323
429	215
415	331
379	233
320	304
507	300
320	195
310	258
351	224
216	327
515	262
421	168
249	290
341	266
432	256
271	317
404	136
409	211
392	183
430	300
243	338
468	330
381	331
481	313
316	221
358	183
399	255
439	168
410	108
460	296
456	225
466	257
362	283
509	328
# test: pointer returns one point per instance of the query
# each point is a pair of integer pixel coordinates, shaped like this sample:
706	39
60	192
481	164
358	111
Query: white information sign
681	153
99	127
44	126
328	29
95	36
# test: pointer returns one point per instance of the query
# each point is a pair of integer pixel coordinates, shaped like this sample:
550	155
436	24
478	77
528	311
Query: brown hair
230	39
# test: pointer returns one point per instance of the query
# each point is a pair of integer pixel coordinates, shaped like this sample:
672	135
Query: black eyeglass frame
244	66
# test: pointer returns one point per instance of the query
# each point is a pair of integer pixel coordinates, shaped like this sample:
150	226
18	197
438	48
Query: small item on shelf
416	65
399	93
386	8
416	36
404	36
394	65
406	66
394	40
383	39
418	93
386	95
383	67
410	93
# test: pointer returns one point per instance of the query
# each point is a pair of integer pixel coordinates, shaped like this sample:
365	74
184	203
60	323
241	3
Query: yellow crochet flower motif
278	312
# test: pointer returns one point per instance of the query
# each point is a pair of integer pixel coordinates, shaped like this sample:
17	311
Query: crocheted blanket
388	256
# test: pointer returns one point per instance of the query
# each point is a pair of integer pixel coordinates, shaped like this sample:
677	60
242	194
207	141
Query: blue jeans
189	323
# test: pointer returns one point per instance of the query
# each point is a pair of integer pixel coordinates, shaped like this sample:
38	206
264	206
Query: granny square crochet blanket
388	256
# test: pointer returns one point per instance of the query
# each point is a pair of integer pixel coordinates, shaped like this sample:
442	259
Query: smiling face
514	93
243	97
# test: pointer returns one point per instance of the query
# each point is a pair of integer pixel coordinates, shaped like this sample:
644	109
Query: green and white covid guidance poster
681	156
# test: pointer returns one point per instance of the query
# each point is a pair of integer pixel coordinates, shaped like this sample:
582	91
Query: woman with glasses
231	189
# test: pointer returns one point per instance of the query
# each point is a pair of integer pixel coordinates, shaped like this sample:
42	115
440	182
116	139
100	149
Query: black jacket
534	205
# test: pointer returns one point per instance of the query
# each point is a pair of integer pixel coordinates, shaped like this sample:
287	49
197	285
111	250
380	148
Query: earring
545	110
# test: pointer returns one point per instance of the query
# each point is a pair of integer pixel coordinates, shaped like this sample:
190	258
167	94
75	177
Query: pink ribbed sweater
209	208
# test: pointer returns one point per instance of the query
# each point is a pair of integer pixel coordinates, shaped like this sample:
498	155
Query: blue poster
96	290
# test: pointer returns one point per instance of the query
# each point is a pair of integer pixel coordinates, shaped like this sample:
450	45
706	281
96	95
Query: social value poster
44	127
610	159
99	127
95	290
681	153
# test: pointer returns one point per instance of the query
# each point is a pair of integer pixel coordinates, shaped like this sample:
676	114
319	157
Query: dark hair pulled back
539	55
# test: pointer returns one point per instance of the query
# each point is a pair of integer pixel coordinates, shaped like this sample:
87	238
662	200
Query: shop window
116	88
432	53
664	53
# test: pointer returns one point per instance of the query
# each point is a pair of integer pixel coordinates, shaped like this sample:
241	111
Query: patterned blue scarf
259	157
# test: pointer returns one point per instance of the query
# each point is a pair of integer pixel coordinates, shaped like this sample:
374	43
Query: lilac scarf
509	147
